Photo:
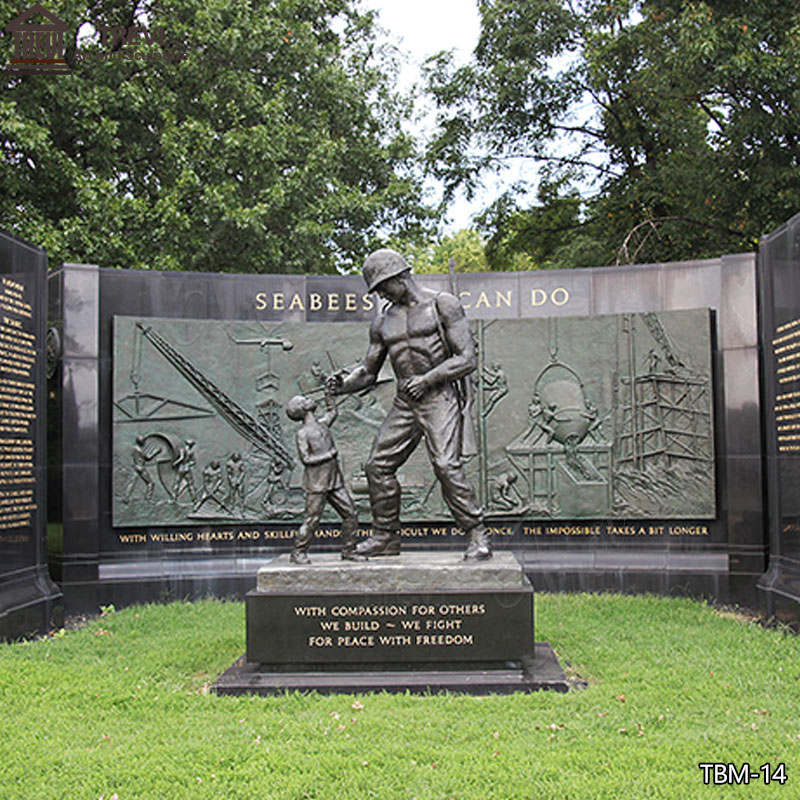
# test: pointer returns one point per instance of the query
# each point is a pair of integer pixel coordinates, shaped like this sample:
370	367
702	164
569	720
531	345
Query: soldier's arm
462	359
366	373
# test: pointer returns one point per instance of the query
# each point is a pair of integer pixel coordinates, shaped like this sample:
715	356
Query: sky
421	28
424	27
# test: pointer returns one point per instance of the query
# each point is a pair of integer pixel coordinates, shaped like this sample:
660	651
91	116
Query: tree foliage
466	248
275	145
684	117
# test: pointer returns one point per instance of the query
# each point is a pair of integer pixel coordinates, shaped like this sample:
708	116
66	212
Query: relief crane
236	416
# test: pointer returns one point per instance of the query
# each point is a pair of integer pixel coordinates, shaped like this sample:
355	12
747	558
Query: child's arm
330	404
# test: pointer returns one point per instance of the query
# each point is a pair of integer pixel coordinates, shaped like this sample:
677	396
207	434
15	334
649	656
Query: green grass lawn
121	708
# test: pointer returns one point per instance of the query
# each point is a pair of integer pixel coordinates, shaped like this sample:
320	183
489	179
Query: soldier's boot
381	543
479	547
349	552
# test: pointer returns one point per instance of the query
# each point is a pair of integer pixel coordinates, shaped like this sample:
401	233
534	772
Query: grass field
121	708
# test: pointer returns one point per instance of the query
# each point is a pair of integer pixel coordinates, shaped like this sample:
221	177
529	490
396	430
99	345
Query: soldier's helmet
296	407
382	265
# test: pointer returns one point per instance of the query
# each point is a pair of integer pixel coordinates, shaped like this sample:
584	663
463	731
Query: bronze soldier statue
429	344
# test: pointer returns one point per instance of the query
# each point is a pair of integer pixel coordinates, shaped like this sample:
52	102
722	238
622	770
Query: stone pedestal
418	622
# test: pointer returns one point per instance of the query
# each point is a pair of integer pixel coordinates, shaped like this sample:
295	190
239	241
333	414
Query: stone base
29	604
419	622
417	610
543	672
779	590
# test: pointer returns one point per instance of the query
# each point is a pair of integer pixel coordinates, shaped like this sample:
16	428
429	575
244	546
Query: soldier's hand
414	388
334	383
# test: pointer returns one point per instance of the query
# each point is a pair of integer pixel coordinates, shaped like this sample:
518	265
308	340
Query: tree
274	144
548	235
683	116
466	247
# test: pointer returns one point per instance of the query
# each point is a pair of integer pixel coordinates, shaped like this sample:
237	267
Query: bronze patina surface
604	417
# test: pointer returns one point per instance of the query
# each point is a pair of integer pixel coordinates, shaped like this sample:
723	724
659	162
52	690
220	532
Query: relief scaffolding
665	418
665	415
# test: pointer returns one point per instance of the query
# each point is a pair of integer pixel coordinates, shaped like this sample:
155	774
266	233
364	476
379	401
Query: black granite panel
788	478
436	282
81	501
747	562
489	297
779	256
80	408
741	392
54	396
779	273
337	299
272	298
262	302
203	298
744	503
55	299
714	585
27	595
256	298
82	569
80	301
390	628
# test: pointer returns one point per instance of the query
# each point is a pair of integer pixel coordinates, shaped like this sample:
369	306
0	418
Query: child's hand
334	383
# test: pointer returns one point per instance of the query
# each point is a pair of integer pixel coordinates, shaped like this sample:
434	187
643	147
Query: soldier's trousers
437	418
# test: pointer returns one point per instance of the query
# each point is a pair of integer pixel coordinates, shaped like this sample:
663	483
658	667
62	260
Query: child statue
322	478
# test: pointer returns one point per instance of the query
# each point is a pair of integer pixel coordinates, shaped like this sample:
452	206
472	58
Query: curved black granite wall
720	554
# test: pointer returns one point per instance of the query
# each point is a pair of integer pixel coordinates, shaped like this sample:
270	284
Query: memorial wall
615	414
780	321
27	596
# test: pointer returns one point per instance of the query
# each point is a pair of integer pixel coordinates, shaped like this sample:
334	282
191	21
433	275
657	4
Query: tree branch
624	252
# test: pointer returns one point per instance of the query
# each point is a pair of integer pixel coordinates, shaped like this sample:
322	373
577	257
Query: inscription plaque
416	609
780	265
18	359
27	596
